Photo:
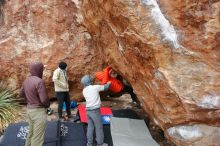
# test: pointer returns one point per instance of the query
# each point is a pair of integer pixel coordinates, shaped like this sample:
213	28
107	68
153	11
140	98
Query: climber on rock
118	86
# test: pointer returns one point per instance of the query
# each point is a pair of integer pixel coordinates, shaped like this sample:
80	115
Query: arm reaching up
107	86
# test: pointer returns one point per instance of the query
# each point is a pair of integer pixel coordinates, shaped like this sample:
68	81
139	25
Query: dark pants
127	89
61	98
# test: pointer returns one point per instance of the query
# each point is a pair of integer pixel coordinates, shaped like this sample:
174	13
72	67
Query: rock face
49	31
168	51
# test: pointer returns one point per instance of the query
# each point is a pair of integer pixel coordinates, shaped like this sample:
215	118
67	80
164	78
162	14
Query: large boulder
168	51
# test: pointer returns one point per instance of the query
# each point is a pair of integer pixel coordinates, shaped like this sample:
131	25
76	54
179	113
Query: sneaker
49	111
69	116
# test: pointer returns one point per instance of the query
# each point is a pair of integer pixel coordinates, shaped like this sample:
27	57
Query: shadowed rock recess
168	51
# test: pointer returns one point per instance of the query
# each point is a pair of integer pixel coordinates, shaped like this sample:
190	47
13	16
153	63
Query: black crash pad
69	134
16	134
125	113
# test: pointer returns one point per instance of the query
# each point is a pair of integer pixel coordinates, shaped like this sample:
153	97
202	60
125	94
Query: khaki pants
37	122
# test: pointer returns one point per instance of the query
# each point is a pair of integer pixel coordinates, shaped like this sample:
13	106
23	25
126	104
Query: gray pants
94	122
37	122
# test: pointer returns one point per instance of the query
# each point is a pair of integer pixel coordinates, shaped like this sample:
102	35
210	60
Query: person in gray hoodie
93	104
35	94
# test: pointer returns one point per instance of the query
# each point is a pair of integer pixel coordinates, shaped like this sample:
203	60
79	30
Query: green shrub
10	109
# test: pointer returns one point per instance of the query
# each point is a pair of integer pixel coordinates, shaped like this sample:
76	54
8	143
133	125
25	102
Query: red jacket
104	76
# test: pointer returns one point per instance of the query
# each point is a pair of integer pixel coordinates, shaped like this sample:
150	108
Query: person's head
36	69
87	80
112	73
62	65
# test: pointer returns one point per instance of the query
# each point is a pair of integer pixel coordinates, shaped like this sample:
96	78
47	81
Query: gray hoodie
33	88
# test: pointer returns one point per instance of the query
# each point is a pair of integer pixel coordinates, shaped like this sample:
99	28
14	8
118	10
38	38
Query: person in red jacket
118	85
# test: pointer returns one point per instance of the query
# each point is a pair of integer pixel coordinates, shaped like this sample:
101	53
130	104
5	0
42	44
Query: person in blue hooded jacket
93	104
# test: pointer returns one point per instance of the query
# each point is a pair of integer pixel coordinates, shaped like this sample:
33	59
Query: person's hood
36	69
86	80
